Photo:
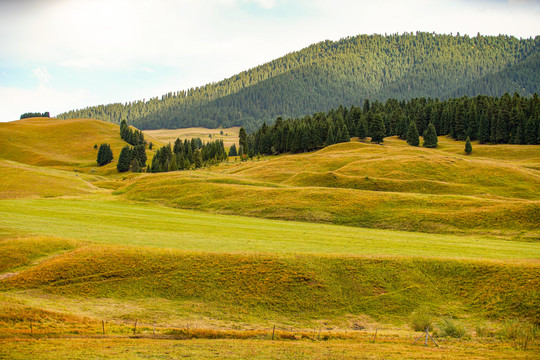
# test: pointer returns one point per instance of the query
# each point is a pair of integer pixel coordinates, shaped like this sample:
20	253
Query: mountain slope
329	74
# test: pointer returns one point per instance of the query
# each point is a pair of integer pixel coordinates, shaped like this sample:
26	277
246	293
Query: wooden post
375	337
426	338
319	336
103	326
155	319
135	327
273	331
31	330
187	329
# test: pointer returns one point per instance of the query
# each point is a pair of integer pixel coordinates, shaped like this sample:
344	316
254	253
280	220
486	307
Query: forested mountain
328	74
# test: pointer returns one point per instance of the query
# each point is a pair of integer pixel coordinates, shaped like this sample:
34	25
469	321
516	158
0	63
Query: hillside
328	74
355	239
390	186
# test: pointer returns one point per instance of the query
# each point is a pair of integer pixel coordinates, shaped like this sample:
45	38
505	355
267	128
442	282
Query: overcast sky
58	55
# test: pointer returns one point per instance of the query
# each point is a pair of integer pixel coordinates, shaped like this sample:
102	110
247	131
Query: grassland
165	136
303	242
393	186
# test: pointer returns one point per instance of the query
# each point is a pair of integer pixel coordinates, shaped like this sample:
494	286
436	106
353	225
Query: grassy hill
85	251
59	143
345	72
391	186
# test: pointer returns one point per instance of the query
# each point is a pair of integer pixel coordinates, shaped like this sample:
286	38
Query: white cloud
196	42
41	74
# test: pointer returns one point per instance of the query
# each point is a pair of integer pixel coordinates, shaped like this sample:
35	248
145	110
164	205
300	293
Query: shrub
420	320
521	333
452	328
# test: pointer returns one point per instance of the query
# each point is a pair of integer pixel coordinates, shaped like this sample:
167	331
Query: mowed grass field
349	240
121	223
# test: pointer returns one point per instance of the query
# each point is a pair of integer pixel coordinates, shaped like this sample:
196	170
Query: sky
59	55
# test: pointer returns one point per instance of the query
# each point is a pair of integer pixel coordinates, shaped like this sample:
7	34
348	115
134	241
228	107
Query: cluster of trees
498	120
132	158
132	137
36	114
104	155
187	154
327	74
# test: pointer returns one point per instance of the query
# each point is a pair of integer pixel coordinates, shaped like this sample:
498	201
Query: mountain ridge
345	72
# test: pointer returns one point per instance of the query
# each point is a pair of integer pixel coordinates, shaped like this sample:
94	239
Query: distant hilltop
345	72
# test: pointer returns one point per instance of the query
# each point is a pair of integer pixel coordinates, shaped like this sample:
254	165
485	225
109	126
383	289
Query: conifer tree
232	150
198	159
530	132
430	137
345	137
124	160
377	129
242	139
468	146
330	137
483	129
361	129
104	155
413	138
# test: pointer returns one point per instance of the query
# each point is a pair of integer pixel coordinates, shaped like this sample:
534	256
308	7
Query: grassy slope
229	137
393	186
120	223
227	270
62	143
22	181
259	287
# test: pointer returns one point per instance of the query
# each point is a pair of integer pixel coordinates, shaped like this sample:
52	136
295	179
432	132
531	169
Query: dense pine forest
329	74
505	120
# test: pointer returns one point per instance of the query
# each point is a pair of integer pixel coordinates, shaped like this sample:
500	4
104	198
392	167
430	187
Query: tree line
187	154
490	120
35	114
327	74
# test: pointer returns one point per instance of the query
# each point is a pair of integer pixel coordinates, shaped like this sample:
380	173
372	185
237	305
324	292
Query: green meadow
118	222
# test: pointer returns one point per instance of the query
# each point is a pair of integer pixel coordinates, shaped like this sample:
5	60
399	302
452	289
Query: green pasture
111	221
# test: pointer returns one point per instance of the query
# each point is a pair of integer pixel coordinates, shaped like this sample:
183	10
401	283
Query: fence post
103	326
273	331
135	327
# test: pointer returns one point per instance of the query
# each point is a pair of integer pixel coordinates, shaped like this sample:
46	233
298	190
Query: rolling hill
345	72
303	242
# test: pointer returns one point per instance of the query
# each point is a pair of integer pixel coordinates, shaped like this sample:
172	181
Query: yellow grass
229	137
61	143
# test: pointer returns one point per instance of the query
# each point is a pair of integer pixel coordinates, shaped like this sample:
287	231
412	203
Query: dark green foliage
124	160
413	138
233	151
150	146
104	155
430	137
33	115
242	139
95	146
377	129
531	132
361	129
468	146
186	153
327	74
314	132
139	153
198	160
132	137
